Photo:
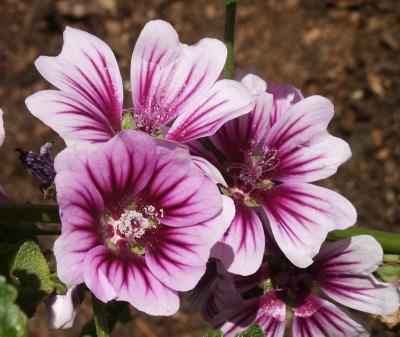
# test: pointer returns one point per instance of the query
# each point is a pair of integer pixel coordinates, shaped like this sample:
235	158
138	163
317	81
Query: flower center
251	176
142	121
294	283
133	229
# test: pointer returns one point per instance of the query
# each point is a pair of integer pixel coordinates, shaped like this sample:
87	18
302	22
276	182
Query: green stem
16	213
390	242
29	213
229	37
100	319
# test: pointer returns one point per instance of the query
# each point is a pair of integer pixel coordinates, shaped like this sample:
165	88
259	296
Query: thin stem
26	213
100	319
229	36
390	242
29	213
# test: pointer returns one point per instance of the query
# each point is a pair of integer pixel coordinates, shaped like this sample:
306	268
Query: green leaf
30	273
12	319
389	272
253	331
214	333
60	287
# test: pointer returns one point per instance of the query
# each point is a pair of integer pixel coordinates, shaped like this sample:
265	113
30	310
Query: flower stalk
100	318
390	242
49	214
12	212
229	36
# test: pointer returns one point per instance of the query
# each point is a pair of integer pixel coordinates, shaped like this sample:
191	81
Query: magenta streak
87	204
99	94
194	123
150	72
247	226
332	258
302	219
108	84
269	325
241	319
93	100
194	88
163	259
284	134
349	291
328	316
282	224
162	195
149	288
85	93
335	265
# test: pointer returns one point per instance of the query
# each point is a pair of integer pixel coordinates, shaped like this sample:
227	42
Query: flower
62	309
342	270
273	153
138	220
169	81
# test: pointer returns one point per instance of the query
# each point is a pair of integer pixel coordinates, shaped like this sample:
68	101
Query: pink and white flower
138	220
175	88
342	270
273	153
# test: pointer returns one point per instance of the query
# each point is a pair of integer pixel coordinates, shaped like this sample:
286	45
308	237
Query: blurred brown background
347	50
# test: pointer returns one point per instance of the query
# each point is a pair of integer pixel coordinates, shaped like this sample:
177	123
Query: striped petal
269	312
241	135
360	254
242	247
87	73
362	293
119	169
70	250
305	150
169	77
300	216
237	318
81	207
111	277
226	100
344	274
74	118
184	193
319	318
179	259
209	170
284	97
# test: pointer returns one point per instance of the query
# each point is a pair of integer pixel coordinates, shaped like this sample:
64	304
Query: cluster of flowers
148	210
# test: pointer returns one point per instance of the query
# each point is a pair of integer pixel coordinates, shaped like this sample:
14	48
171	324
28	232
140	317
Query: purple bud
41	166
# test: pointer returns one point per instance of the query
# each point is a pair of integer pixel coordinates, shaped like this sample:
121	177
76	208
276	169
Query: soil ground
347	50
